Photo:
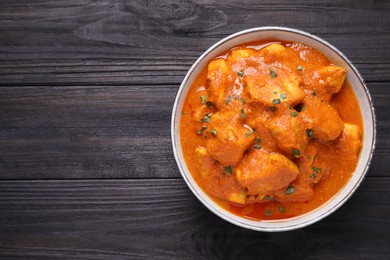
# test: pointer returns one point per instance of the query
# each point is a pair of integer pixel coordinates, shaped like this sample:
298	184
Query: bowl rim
214	209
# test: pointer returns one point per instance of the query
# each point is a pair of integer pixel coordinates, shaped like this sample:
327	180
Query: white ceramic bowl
361	92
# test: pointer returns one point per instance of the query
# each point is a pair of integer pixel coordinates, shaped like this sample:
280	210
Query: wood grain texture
155	42
161	219
109	132
86	92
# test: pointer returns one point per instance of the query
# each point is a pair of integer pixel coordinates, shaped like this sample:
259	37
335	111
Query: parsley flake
296	152
290	190
205	120
272	73
228	169
203	99
243	115
309	133
248	133
228	100
316	169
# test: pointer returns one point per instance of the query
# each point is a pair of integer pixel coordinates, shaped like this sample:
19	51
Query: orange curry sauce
326	160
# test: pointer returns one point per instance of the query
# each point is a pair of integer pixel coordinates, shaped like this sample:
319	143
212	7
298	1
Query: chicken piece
262	173
260	123
277	53
265	89
348	146
204	161
200	113
314	164
239	58
297	191
231	139
333	78
350	139
237	197
323	119
289	132
294	93
273	52
325	81
221	78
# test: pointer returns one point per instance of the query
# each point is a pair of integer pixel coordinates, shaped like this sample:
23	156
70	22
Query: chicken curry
271	130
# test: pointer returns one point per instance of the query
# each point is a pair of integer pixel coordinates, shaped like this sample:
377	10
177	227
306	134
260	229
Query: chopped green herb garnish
313	176
240	73
205	120
316	169
268	213
299	67
283	96
228	99
248	133
303	108
257	140
267	197
276	101
203	99
243	115
236	97
282	210
228	169
294	114
272	73
290	107
202	130
183	113
290	190
272	108
257	147
214	132
243	101
309	133
296	152
314	93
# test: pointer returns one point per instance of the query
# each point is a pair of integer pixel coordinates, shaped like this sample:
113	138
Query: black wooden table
86	164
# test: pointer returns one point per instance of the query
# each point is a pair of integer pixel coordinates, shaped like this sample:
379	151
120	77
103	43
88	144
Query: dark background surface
86	164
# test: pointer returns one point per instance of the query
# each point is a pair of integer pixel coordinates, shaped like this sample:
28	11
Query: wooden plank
162	219
110	132
135	42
